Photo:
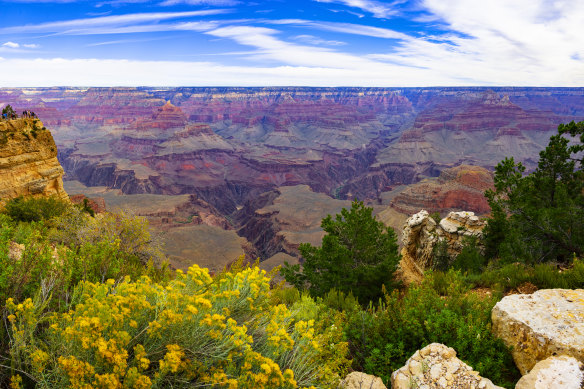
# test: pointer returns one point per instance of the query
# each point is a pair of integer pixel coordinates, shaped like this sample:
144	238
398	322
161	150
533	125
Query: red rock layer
456	189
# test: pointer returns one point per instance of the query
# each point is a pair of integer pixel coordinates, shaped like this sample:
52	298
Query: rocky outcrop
358	380
421	234
540	325
458	188
28	161
96	204
436	366
555	372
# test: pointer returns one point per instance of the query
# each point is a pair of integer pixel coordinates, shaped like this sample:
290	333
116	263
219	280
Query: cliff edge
28	161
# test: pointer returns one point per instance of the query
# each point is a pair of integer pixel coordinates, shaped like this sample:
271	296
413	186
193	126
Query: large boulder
436	366
540	325
555	372
358	380
421	234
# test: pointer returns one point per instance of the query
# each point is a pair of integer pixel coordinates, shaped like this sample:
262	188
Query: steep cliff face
28	161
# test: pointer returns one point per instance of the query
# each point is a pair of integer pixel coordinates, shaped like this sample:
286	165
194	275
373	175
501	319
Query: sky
380	43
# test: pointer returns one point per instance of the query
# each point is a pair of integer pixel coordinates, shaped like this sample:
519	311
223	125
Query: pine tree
358	254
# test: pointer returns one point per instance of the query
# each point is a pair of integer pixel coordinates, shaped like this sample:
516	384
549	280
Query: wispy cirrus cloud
112	21
314	40
346	28
379	9
214	3
269	47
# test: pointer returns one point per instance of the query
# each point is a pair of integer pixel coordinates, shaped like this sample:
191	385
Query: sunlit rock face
546	323
28	161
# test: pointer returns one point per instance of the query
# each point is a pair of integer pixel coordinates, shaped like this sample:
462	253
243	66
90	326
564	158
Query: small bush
470	258
436	217
441	258
35	209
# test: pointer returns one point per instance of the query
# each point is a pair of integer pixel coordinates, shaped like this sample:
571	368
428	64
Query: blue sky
277	42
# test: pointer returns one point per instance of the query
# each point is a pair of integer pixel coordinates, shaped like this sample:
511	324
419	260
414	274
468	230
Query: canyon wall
28	161
229	146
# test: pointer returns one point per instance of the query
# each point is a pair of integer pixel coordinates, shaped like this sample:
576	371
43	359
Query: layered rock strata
28	161
436	366
458	188
540	325
421	234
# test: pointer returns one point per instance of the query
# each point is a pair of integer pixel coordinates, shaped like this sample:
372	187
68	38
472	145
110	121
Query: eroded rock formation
540	325
458	188
421	234
436	366
28	161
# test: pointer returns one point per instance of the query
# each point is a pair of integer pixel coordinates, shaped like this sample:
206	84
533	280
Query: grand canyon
221	172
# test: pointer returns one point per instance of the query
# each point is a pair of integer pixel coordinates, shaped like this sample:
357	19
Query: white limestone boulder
358	380
436	366
555	372
546	323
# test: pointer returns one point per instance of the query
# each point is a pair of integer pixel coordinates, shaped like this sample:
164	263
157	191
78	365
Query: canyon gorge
222	172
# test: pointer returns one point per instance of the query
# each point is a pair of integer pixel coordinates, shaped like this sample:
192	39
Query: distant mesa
458	188
165	118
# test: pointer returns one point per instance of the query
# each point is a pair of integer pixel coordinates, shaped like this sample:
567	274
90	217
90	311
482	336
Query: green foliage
539	217
129	236
436	217
381	339
358	254
440	257
470	258
35	209
543	276
8	110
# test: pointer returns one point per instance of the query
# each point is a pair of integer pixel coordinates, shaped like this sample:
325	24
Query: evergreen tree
358	254
540	217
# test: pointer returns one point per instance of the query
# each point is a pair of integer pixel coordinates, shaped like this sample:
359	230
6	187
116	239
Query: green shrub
381	339
543	276
35	209
440	257
470	258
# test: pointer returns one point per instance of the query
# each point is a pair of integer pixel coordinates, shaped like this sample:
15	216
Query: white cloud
273	49
11	45
345	28
113	21
314	40
524	42
31	45
377	8
93	72
214	3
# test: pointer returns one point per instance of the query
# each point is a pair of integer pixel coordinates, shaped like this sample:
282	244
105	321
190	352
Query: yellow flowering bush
192	331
